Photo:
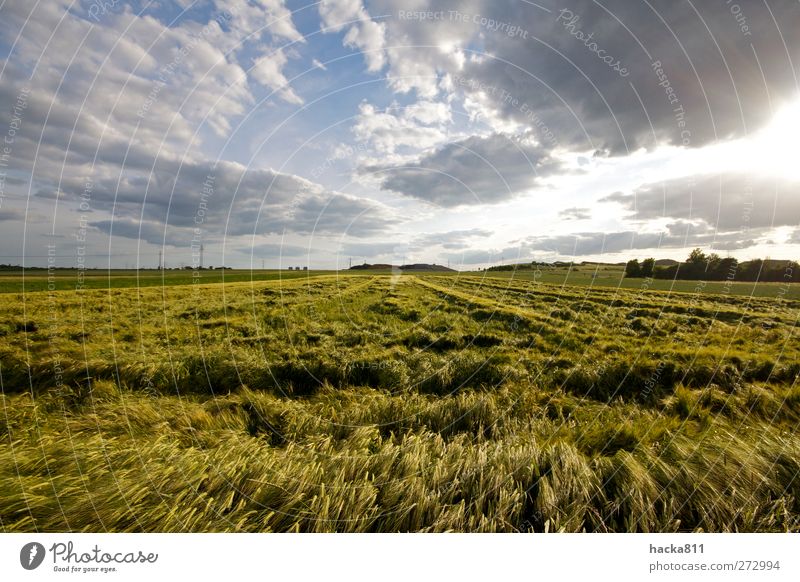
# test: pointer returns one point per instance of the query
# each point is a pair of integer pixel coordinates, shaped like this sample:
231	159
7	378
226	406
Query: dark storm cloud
175	191
729	202
332	214
11	214
275	250
723	64
476	170
451	240
598	243
49	194
684	227
323	213
145	231
722	77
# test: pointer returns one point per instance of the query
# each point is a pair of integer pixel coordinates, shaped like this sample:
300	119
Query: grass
613	276
72	279
583	275
419	403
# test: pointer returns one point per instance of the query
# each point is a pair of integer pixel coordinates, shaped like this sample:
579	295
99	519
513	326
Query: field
71	279
612	276
581	275
415	402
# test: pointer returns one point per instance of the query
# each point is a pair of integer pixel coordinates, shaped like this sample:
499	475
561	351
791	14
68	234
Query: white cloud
396	128
363	34
268	70
261	15
429	112
368	37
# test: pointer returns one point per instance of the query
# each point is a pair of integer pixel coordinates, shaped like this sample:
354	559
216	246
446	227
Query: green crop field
72	279
614	277
603	276
414	402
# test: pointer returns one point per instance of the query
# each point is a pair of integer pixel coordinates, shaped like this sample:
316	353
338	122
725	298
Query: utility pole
159	260
351	263
201	256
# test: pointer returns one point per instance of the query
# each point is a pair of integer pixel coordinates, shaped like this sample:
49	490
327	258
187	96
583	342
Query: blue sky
468	132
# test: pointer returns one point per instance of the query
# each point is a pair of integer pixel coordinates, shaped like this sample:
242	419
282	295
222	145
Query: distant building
291	268
305	268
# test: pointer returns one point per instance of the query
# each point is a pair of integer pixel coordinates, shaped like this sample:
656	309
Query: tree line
712	267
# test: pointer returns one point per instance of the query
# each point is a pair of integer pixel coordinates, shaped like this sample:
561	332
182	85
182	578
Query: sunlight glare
775	147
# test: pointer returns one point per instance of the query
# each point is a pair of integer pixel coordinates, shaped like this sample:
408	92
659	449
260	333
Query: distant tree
695	265
669	272
715	268
750	270
778	271
726	269
633	269
712	263
697	256
647	268
794	271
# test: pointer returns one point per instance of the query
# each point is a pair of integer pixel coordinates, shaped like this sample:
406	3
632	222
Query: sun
774	148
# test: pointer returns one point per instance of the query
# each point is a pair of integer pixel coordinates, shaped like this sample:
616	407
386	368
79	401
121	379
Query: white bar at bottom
408	557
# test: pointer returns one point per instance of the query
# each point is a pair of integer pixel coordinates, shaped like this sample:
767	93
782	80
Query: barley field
413	402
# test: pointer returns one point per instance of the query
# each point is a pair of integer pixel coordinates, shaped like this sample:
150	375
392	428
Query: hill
426	267
366	267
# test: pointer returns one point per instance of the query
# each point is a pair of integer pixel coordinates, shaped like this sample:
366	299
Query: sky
466	133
